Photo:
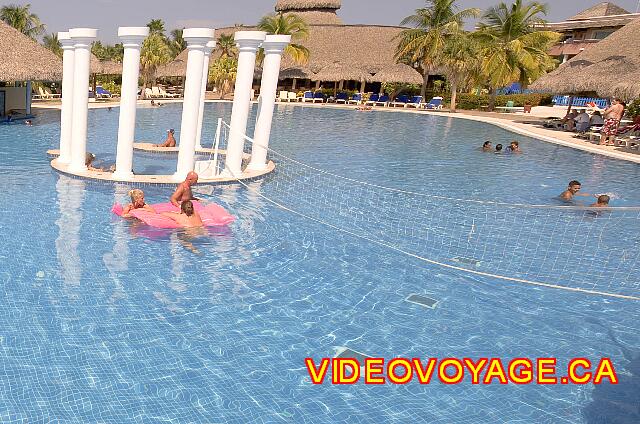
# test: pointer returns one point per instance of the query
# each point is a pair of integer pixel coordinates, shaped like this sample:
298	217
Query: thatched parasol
611	68
290	5
24	59
397	73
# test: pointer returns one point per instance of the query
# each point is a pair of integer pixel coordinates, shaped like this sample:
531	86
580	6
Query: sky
107	15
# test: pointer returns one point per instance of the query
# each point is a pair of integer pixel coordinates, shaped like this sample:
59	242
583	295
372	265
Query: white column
132	39
248	43
82	38
205	77
66	113
196	39
273	47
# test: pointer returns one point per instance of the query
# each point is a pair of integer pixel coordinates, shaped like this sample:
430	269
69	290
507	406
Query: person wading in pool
183	191
188	217
170	141
572	190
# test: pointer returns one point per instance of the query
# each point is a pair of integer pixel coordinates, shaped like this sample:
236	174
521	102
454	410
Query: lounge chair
416	101
356	99
342	97
156	92
292	97
283	96
400	101
318	96
148	93
510	107
434	103
51	96
101	93
383	101
372	99
164	94
306	97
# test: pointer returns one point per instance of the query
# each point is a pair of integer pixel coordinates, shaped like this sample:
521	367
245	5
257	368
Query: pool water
109	321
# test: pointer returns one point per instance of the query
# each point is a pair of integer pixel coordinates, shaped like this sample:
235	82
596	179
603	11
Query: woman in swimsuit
137	202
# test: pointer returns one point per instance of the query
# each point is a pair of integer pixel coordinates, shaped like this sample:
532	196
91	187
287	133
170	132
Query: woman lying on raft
137	202
188	217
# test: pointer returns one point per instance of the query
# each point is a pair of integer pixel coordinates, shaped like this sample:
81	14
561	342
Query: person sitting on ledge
137	202
170	141
602	202
188	217
183	191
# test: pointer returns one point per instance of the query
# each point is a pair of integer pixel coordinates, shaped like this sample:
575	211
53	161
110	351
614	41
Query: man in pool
498	148
602	202
183	191
572	191
486	147
188	217
170	141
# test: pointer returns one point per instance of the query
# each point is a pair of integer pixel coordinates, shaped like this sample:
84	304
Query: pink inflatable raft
212	215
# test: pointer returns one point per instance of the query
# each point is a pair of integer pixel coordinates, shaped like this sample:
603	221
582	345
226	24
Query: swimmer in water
137	202
183	191
602	202
498	148
514	148
486	147
188	217
572	191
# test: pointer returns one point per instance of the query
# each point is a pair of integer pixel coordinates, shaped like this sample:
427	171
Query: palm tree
155	52
222	72
226	45
512	48
422	45
177	43
289	24
51	42
156	26
461	63
21	18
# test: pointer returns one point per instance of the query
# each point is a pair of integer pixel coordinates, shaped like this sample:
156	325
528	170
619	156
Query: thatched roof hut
610	68
24	59
312	11
104	67
344	49
397	73
601	9
339	72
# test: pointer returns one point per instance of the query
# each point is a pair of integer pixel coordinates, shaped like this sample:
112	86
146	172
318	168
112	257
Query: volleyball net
590	250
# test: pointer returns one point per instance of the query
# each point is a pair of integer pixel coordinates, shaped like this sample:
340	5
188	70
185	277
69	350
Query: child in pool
137	202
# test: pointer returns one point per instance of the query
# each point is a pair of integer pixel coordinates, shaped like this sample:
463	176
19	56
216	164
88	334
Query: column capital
208	48
249	41
197	38
132	36
65	40
81	36
275	44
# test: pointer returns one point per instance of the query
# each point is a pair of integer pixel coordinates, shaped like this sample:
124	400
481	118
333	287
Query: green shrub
112	87
473	101
633	109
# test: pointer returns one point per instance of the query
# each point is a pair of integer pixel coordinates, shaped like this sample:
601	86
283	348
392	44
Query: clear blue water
106	321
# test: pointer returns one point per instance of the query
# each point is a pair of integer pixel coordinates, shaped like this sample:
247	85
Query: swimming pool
107	321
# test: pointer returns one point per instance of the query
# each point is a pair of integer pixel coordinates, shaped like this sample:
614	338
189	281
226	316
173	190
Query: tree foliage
289	24
51	42
222	73
21	18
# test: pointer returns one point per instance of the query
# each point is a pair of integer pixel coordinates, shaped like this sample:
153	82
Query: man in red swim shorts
610	129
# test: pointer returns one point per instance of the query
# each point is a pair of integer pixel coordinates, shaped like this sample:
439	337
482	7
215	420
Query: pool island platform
148	179
147	147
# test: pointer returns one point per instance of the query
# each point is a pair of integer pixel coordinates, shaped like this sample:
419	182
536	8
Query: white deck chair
164	94
283	96
155	92
292	97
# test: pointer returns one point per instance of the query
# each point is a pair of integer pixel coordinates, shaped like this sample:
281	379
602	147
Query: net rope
571	248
